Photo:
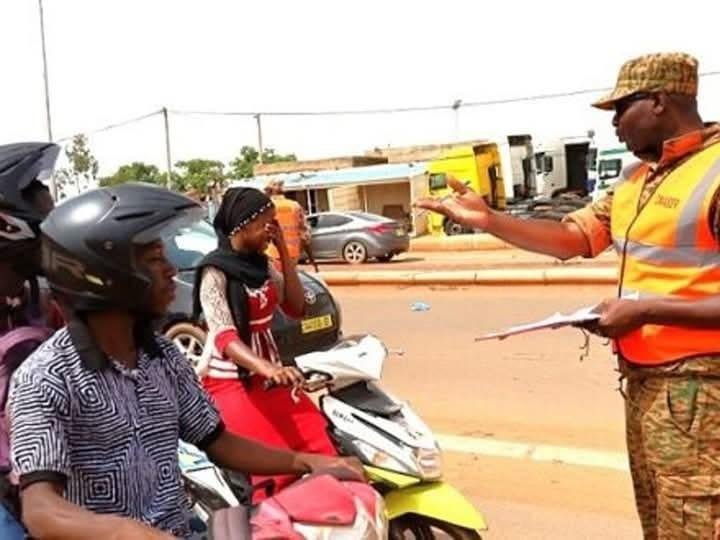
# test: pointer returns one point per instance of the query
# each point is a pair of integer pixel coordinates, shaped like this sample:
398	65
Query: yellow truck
514	178
479	166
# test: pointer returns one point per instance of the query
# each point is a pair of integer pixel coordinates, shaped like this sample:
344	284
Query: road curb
504	276
467	242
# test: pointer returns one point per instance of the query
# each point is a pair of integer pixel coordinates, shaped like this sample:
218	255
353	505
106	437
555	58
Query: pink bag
15	346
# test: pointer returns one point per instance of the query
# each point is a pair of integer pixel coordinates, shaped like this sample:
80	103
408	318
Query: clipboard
554	321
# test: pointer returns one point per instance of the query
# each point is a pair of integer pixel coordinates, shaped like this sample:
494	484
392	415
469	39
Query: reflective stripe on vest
688	224
668	250
633	294
678	255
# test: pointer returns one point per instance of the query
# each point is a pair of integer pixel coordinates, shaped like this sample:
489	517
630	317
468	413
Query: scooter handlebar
314	381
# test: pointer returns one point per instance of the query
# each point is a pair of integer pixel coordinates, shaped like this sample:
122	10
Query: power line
341	112
112	126
556	95
427	108
210	113
359	112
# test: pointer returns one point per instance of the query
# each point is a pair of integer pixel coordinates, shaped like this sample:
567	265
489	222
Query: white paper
557	320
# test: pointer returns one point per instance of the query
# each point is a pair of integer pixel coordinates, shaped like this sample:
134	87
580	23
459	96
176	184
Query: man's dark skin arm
307	247
620	316
563	240
49	516
243	455
702	313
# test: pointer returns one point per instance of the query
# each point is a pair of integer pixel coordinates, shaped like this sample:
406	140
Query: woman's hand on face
276	235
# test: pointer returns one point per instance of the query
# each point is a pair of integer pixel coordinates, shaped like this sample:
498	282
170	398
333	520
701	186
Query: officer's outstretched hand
463	206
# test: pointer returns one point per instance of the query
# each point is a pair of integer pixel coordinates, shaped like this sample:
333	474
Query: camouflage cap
674	73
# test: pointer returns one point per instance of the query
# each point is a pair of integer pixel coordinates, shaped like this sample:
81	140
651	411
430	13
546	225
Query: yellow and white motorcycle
401	455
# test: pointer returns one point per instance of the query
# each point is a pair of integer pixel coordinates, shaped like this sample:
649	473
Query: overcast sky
110	60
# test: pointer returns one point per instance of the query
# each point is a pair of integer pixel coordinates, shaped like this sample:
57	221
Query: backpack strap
24	333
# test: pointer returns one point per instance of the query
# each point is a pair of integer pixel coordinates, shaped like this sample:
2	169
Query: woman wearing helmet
24	203
96	412
24	316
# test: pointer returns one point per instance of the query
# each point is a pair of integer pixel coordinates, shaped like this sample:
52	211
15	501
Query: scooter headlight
429	463
377	458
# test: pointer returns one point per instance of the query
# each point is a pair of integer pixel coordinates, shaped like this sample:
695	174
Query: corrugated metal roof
372	174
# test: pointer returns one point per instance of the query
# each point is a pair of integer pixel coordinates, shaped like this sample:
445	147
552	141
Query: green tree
242	166
199	175
82	170
137	171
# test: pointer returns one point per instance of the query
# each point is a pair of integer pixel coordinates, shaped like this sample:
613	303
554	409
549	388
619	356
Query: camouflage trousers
673	438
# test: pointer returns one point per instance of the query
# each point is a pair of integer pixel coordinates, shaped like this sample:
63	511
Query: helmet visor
169	228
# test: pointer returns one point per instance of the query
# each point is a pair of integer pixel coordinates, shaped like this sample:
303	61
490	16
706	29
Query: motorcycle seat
368	398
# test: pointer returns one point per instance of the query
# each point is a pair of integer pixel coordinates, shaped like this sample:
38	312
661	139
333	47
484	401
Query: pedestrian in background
291	218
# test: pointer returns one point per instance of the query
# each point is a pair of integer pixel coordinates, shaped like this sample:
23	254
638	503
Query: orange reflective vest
667	248
289	215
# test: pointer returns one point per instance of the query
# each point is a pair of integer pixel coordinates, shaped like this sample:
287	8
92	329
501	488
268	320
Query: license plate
316	324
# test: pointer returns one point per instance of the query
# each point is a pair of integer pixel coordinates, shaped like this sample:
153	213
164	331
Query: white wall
345	198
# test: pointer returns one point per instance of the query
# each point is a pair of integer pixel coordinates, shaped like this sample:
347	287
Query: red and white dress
268	416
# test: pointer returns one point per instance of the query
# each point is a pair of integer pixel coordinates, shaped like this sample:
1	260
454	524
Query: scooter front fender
437	500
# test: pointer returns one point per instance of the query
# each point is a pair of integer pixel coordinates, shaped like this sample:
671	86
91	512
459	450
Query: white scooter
402	457
400	453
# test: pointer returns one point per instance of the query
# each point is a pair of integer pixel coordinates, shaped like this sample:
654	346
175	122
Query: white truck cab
610	166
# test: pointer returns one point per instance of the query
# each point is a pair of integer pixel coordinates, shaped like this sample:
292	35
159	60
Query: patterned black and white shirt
109	434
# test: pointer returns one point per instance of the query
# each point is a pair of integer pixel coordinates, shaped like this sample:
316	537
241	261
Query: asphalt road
496	399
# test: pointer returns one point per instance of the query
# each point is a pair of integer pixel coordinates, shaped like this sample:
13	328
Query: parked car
356	236
318	330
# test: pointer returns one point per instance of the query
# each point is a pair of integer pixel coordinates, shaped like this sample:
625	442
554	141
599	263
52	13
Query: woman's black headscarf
239	207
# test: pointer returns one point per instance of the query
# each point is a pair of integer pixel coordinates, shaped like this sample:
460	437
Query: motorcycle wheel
425	528
189	338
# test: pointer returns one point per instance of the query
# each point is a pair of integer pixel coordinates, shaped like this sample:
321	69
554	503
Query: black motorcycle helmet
22	167
88	244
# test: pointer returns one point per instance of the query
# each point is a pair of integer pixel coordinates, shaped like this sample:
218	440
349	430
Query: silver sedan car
356	236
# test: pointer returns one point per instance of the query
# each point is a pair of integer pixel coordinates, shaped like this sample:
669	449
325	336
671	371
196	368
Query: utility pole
48	119
168	183
456	107
260	138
